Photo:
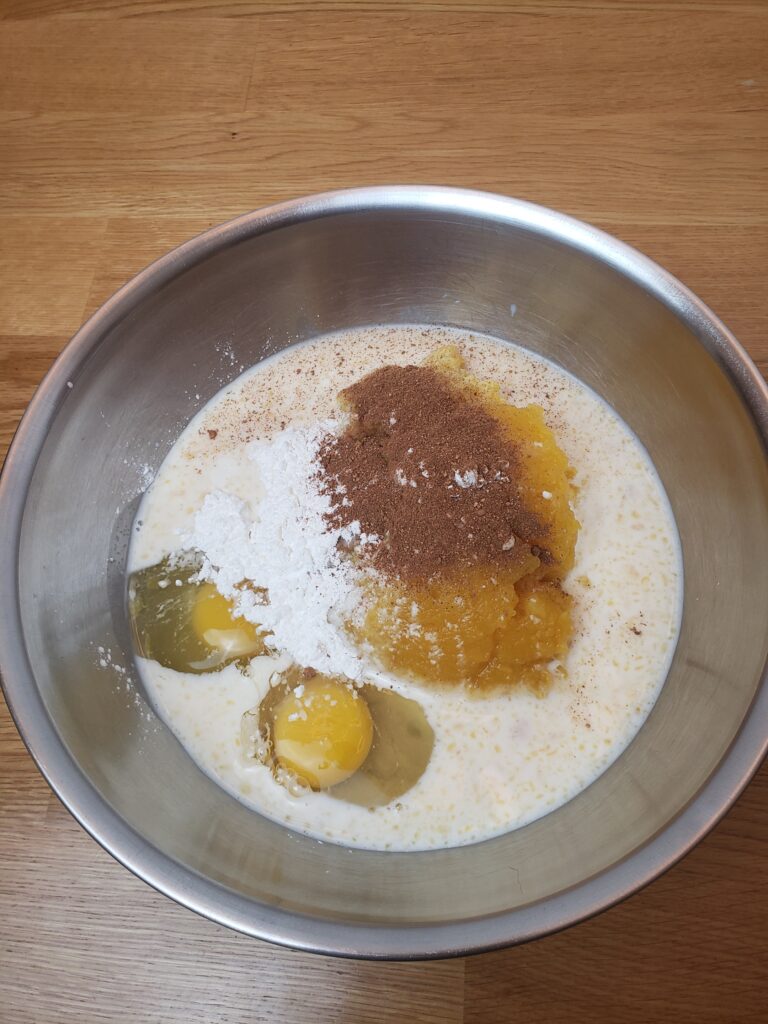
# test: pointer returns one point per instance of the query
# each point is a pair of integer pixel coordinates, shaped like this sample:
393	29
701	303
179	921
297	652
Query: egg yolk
215	623
322	732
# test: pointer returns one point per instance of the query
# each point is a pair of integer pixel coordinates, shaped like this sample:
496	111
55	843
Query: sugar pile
286	546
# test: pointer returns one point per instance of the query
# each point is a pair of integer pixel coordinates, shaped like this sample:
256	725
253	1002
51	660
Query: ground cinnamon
430	473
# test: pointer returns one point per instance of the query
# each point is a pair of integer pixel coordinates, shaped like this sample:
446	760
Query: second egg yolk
322	732
215	623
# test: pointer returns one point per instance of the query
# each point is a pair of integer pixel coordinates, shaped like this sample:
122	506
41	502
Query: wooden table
127	126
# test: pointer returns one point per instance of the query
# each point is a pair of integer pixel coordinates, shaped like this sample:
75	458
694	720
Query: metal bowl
131	379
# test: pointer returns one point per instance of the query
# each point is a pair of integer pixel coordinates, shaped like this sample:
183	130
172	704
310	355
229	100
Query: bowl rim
209	898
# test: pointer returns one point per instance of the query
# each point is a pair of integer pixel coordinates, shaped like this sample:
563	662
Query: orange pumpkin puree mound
496	625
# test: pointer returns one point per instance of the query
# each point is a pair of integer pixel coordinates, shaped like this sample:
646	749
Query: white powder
466	479
288	549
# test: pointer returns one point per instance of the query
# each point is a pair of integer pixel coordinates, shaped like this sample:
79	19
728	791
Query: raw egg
216	624
185	624
322	732
365	745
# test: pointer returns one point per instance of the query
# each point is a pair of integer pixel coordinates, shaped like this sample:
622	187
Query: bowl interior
180	338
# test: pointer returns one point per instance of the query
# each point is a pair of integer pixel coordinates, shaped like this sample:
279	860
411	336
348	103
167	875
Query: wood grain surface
127	126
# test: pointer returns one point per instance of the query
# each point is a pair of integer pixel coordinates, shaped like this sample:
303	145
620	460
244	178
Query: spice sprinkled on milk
405	588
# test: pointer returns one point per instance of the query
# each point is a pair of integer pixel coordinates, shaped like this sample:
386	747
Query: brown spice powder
430	473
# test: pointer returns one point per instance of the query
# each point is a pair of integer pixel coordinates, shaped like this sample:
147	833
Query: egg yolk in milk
187	625
322	732
360	743
216	624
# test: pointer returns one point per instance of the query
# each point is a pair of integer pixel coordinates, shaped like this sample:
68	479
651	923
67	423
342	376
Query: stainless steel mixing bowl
134	375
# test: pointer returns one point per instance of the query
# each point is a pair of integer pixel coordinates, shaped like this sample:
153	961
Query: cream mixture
235	487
